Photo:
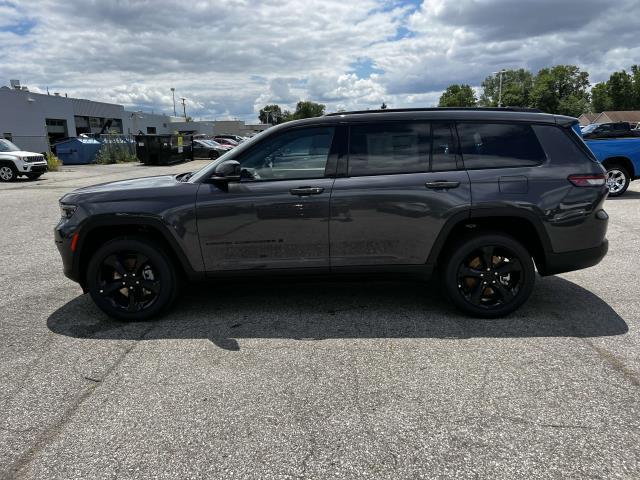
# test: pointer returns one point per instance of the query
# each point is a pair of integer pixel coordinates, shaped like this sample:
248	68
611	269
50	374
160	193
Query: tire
34	176
130	263
618	179
213	155
497	261
8	172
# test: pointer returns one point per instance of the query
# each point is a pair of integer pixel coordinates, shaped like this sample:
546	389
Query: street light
501	72
184	108
173	94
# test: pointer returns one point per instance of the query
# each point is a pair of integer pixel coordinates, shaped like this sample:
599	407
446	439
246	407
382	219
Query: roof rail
436	109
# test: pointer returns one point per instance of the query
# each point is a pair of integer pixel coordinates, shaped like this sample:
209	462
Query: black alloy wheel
131	279
489	275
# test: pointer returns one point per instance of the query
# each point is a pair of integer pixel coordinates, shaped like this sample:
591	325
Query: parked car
621	158
475	195
203	148
15	163
237	138
226	141
609	130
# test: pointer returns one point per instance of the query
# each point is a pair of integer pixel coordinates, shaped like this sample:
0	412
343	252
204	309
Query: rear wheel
8	172
132	279
618	180
488	275
213	154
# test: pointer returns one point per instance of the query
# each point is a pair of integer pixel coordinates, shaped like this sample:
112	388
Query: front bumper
63	241
575	260
35	167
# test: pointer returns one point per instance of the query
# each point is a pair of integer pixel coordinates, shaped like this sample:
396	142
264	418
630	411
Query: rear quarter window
562	145
499	145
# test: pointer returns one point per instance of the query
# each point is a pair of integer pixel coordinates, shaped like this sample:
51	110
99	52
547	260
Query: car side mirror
227	171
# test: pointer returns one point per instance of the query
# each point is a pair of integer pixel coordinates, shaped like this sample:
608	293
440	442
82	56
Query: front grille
34	158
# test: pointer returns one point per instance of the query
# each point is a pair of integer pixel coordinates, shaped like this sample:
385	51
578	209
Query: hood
22	153
123	189
132	184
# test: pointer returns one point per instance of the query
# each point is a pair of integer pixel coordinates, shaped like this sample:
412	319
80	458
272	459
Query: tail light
597	180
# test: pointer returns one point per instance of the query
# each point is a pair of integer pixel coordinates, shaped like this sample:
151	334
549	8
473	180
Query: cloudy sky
231	57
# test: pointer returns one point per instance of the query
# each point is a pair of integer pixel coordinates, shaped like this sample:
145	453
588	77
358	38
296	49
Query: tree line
561	89
274	115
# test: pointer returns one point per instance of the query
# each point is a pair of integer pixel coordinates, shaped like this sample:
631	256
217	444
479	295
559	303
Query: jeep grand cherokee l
483	197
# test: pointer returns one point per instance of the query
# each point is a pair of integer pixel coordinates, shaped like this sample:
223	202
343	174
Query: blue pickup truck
621	158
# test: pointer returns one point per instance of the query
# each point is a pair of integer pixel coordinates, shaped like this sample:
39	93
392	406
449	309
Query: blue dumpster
77	151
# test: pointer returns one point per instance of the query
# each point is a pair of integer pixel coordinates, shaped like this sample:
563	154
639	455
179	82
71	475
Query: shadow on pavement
339	309
628	195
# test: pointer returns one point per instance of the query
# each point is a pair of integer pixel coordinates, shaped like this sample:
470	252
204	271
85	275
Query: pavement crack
48	435
615	362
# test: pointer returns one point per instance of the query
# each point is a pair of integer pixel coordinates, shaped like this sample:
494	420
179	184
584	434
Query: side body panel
622	147
392	219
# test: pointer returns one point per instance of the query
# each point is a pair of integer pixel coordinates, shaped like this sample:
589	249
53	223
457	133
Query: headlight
67	211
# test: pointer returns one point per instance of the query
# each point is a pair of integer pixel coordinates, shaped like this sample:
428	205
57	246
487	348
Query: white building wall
23	114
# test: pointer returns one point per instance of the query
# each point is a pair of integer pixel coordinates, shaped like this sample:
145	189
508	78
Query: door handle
441	184
304	191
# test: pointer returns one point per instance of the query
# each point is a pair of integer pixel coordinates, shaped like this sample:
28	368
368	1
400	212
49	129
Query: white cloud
229	58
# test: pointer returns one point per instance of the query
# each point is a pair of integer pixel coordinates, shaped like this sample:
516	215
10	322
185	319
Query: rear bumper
575	260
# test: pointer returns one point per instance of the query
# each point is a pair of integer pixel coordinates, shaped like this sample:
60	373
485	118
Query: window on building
151	130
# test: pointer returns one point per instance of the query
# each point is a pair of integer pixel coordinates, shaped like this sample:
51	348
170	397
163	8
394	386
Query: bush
114	153
53	162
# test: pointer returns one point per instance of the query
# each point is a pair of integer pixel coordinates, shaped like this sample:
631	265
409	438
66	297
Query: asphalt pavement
312	379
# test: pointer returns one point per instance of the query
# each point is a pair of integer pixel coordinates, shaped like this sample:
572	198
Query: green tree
561	89
621	91
458	96
516	89
271	114
308	109
600	100
635	74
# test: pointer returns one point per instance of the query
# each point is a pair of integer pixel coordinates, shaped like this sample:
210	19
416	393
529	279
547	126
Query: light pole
501	72
173	95
184	108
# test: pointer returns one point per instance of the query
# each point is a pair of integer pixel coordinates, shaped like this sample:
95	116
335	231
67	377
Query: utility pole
173	94
184	108
501	72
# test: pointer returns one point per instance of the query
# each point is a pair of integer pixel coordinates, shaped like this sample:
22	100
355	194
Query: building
631	116
34	121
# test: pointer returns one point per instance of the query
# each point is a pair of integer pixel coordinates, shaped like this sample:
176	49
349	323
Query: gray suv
482	197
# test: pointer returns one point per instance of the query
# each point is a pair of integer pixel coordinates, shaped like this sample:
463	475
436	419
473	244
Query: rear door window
499	145
377	149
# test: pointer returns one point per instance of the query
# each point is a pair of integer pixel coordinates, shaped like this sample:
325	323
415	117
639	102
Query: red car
226	141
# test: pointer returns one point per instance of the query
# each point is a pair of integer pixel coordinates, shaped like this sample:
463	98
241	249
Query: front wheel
132	279
488	275
8	173
618	180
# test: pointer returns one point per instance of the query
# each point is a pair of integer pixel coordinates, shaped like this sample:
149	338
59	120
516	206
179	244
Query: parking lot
313	379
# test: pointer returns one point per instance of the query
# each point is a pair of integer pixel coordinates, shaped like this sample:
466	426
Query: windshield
589	128
7	146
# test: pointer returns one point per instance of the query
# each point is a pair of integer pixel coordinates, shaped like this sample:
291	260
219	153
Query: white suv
15	162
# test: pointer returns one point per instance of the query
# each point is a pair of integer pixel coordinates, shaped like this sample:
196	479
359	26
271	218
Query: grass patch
53	162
